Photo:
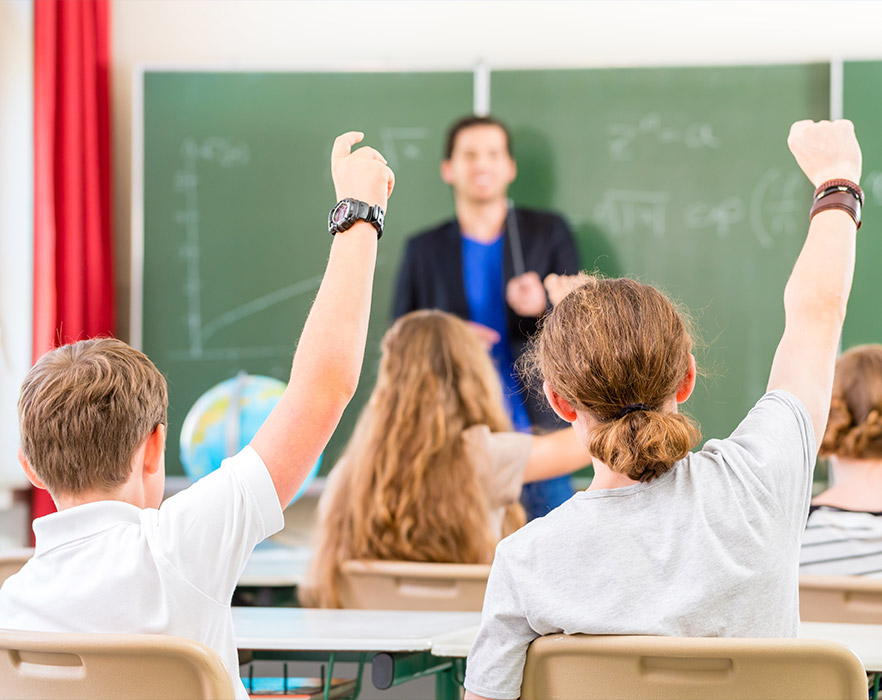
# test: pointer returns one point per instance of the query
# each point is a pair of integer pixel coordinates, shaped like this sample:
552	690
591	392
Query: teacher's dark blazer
431	277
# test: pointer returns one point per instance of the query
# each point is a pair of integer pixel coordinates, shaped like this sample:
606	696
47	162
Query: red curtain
73	233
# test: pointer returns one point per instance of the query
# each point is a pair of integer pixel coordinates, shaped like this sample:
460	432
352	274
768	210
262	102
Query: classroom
166	179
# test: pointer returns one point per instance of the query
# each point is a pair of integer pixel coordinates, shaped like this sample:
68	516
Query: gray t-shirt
709	549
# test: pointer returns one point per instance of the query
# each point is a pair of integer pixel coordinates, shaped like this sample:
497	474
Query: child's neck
606	478
129	492
857	485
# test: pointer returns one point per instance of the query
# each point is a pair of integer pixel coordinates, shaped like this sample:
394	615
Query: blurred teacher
487	266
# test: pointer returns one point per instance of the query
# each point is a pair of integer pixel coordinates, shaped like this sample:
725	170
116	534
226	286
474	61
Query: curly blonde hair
854	428
404	488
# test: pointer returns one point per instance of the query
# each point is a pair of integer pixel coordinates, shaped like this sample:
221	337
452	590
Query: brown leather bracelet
840	183
836	199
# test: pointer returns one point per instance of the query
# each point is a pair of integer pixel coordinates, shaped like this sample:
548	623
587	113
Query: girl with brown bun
433	471
667	541
843	536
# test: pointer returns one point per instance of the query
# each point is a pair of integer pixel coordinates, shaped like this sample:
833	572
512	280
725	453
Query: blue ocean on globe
225	419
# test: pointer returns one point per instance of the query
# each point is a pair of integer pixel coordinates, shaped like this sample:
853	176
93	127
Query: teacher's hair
405	487
470	121
854	428
610	344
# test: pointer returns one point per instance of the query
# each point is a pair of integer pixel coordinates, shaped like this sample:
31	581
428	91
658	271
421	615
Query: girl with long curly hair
433	471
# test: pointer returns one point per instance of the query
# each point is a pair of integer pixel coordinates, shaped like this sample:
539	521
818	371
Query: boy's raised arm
329	355
816	294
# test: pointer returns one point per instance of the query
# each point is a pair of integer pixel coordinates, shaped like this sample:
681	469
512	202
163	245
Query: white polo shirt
112	567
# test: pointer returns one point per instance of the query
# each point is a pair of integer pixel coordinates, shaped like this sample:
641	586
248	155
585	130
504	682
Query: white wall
504	34
16	237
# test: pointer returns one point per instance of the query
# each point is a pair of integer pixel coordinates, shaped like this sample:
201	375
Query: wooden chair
11	560
405	585
581	667
840	599
50	665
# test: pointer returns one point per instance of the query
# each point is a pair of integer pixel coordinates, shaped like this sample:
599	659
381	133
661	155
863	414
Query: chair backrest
50	665
11	560
581	667
840	599
406	585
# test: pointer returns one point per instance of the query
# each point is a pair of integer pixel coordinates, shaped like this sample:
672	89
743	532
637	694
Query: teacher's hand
486	335
558	286
526	295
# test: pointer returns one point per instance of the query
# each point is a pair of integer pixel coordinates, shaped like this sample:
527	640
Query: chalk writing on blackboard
777	206
626	212
651	127
719	216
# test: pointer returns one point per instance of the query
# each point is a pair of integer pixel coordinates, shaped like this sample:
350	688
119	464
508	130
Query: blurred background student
843	535
433	470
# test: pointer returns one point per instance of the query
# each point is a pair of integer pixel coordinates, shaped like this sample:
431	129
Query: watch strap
359	211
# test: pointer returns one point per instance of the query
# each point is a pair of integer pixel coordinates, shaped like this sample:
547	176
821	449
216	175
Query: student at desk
93	421
433	470
843	535
665	541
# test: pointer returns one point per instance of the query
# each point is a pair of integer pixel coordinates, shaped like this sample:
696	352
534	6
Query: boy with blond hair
93	425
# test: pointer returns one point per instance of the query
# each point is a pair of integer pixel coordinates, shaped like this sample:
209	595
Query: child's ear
684	391
154	450
29	473
559	404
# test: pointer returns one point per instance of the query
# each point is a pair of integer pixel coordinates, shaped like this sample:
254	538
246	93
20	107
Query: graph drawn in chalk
219	152
401	144
224	153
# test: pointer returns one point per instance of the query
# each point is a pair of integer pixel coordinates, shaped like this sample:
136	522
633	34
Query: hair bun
862	441
643	445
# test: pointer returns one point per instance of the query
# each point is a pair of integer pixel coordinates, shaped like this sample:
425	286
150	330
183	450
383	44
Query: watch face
340	212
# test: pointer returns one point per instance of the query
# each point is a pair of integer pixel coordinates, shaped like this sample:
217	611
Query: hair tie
633	407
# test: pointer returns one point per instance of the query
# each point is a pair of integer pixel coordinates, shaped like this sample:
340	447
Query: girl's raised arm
816	294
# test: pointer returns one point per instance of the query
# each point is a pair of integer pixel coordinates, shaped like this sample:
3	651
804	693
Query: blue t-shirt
485	294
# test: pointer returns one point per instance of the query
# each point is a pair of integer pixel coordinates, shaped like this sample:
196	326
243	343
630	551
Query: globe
225	419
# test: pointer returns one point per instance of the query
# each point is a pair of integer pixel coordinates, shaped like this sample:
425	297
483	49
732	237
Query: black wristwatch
348	211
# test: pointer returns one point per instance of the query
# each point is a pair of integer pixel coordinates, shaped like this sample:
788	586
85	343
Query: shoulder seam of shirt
234	473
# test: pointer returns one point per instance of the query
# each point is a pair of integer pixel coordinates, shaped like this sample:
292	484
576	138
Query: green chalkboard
862	103
237	189
682	178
